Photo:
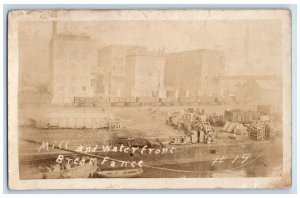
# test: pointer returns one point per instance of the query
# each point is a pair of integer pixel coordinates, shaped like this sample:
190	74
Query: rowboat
121	173
81	171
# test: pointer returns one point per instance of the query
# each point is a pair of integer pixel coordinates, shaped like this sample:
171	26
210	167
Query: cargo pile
233	127
195	123
186	120
197	127
259	131
180	140
241	116
174	119
141	142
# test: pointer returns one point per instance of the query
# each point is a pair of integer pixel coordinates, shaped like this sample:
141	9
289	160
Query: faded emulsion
192	98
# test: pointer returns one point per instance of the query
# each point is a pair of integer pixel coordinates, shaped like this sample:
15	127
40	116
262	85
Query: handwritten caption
242	158
105	148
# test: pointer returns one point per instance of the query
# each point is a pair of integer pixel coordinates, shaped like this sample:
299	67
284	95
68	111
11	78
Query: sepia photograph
149	99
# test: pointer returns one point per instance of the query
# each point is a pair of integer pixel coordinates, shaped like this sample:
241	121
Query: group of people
199	124
216	120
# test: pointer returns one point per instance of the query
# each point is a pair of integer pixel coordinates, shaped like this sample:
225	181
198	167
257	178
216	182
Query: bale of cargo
231	127
226	126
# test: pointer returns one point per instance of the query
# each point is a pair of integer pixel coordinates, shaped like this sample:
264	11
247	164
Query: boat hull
197	153
125	173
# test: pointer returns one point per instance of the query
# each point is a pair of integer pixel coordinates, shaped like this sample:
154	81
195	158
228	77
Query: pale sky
251	47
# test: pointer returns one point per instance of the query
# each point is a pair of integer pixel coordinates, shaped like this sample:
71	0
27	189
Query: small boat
81	171
121	173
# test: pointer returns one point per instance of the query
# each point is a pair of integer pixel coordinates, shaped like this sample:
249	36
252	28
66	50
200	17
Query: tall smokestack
54	29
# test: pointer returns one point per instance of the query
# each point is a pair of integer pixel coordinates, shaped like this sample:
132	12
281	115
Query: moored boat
120	173
81	171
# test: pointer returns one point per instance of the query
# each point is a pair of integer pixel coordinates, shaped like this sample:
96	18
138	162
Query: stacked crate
241	116
259	131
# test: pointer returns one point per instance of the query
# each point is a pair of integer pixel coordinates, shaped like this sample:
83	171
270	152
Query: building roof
268	84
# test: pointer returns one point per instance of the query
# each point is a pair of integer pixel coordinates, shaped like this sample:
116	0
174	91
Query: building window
83	88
